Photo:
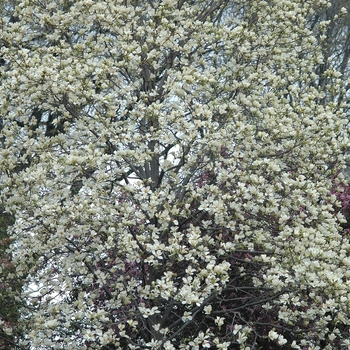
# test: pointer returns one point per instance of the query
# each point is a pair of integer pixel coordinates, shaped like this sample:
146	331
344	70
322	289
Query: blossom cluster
169	166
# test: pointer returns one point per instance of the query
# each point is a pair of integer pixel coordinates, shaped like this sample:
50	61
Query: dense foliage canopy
172	170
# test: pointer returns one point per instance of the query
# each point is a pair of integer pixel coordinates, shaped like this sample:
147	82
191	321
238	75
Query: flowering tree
331	26
169	165
9	285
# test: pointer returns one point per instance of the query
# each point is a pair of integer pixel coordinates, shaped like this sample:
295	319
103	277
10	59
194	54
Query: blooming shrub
168	166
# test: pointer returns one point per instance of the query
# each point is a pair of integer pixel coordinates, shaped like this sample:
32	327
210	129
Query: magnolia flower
273	335
146	312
